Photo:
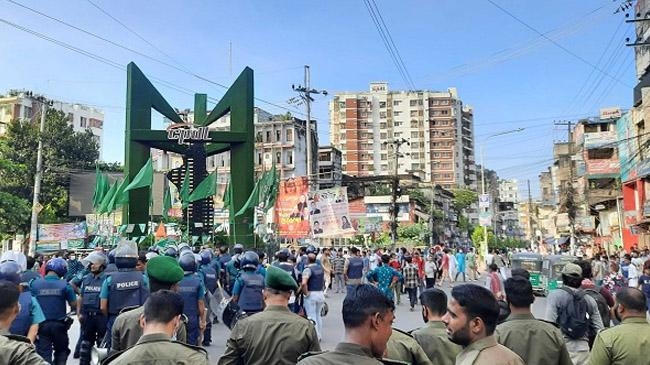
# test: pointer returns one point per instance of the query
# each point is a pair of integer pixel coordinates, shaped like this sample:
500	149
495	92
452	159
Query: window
396	102
259	158
278	136
382	115
382	104
268	136
396	113
289	157
413	103
382	135
289	135
414	134
278	157
382	125
414	113
83	122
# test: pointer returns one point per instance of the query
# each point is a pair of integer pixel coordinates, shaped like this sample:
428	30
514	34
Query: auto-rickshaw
552	266
532	262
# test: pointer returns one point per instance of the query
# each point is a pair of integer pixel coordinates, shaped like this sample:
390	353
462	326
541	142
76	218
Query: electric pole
530	213
397	143
305	94
38	176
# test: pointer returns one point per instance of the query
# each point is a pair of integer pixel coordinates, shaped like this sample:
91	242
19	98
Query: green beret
164	269
279	279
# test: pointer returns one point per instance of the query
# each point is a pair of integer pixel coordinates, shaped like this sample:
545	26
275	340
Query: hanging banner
367	225
328	213
484	201
292	212
61	232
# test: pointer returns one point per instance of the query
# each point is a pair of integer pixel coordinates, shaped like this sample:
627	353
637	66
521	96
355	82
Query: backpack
572	317
603	307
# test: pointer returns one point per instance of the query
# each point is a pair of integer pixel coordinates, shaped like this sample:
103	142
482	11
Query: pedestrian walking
326	262
521	326
411	281
192	290
313	283
162	315
14	349
433	336
354	269
627	342
460	262
249	341
470	260
338	266
494	281
248	287
430	271
470	320
568	307
397	286
367	317
384	276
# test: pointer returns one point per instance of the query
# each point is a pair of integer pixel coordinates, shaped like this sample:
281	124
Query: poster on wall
328	213
291	209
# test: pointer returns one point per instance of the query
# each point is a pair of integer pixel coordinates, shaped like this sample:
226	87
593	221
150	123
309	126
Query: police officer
164	273
111	262
161	315
402	346
313	284
171	251
232	272
93	321
52	293
293	335
192	290
247	291
30	315
14	349
353	270
125	287
209	274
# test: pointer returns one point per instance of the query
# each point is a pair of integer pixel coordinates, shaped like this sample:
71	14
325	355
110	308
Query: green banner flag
119	197
269	184
101	187
185	189
194	239
167	203
143	178
253	200
206	188
106	200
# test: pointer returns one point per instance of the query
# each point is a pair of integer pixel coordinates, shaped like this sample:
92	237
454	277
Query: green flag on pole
253	200
119	197
167	203
206	188
185	189
101	187
106	200
143	178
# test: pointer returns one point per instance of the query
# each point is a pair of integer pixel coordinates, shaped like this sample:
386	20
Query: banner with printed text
291	209
61	232
328	213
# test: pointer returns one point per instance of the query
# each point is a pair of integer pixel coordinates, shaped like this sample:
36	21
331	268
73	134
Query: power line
558	45
86	53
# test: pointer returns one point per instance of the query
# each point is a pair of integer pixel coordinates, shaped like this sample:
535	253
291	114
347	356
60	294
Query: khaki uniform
274	336
344	353
623	344
127	331
17	350
159	349
405	348
535	341
435	343
487	351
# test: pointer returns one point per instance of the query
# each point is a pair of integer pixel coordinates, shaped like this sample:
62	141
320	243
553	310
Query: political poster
484	201
103	224
328	213
367	225
61	232
291	209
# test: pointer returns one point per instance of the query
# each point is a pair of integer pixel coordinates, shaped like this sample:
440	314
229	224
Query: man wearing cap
275	335
15	350
164	273
560	299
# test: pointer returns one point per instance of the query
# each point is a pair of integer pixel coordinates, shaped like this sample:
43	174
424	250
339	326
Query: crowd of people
159	305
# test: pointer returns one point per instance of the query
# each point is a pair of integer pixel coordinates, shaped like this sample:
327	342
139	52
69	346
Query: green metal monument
194	142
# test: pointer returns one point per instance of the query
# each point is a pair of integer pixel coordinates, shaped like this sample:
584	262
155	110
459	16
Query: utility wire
558	45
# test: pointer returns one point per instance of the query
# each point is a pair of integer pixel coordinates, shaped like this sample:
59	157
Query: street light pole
38	176
485	230
305	94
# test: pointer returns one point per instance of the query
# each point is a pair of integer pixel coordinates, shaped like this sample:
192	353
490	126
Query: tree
463	198
64	150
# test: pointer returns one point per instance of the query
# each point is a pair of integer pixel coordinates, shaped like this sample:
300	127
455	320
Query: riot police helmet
182	247
283	254
236	258
10	271
187	261
206	256
58	266
126	254
238	248
171	251
249	261
95	257
311	249
111	256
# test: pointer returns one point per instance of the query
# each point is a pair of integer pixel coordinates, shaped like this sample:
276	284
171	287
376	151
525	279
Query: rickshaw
532	262
552	266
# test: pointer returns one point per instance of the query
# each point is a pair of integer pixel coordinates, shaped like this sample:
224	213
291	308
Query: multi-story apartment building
438	126
26	105
509	191
329	167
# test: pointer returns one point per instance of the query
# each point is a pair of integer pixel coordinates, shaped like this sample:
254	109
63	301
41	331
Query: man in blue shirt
31	315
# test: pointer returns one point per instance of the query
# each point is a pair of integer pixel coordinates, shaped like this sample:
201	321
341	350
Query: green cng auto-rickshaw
532	262
552	266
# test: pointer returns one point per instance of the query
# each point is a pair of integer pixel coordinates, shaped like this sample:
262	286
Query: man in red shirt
397	286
